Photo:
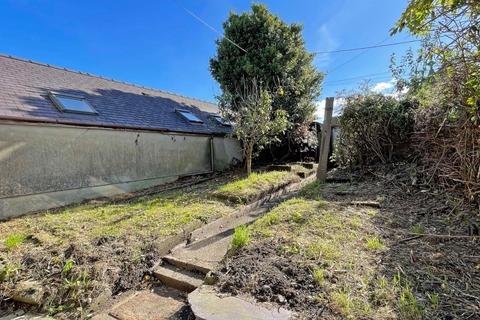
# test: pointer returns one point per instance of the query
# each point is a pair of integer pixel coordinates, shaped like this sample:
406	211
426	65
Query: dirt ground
429	267
71	262
282	279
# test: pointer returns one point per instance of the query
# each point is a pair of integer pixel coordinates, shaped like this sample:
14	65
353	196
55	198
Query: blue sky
158	44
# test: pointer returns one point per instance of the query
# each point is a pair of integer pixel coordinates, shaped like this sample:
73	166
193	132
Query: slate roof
24	87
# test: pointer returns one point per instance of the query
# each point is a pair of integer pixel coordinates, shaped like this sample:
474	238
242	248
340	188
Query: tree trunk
248	155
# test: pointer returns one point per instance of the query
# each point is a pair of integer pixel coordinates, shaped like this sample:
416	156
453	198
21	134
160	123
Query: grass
256	185
319	274
375	244
344	247
70	251
157	217
13	240
417	229
241	238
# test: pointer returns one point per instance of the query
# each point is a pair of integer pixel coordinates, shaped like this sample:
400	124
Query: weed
76	285
241	237
291	249
356	222
417	228
343	302
319	275
270	219
434	300
383	292
372	213
397	280
6	271
409	307
312	191
326	250
14	240
297	217
375	244
68	266
118	227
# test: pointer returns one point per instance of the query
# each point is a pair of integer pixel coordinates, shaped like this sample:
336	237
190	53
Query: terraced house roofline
28	90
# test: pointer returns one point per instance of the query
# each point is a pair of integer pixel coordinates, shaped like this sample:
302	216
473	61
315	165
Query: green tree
273	53
249	108
450	30
448	94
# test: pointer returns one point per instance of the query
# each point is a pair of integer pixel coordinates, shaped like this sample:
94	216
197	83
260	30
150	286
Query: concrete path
159	304
208	305
184	270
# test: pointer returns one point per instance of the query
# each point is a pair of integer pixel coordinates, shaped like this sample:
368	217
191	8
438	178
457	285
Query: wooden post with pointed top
325	143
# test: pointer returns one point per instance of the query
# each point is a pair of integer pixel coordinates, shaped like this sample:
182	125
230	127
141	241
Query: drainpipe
212	155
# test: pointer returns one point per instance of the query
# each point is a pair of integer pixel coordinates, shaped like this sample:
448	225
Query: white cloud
398	94
326	42
383	86
337	108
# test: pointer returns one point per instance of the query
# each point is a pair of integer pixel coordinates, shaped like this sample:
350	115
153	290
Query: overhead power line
355	57
360	77
369	47
211	28
338	84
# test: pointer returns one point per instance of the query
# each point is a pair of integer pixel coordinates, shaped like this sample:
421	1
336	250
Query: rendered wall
227	152
45	166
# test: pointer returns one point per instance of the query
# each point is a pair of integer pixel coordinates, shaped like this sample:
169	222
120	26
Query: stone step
207	304
158	304
178	278
186	264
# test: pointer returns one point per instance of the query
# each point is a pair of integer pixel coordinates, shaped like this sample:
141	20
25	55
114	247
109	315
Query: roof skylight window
189	116
220	120
71	103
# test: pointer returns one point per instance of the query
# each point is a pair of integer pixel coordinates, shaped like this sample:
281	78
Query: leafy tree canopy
447	123
275	57
256	124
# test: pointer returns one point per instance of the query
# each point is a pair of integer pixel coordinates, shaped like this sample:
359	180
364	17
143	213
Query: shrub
444	77
447	137
374	128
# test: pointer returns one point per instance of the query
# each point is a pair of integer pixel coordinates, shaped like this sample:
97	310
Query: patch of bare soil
277	277
107	270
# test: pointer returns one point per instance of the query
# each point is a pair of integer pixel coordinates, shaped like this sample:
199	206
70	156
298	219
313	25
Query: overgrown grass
343	246
72	253
256	185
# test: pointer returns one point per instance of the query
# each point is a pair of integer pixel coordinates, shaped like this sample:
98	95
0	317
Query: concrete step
158	304
186	264
207	304
178	278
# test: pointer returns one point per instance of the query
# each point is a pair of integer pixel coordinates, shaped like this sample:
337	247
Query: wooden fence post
325	143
